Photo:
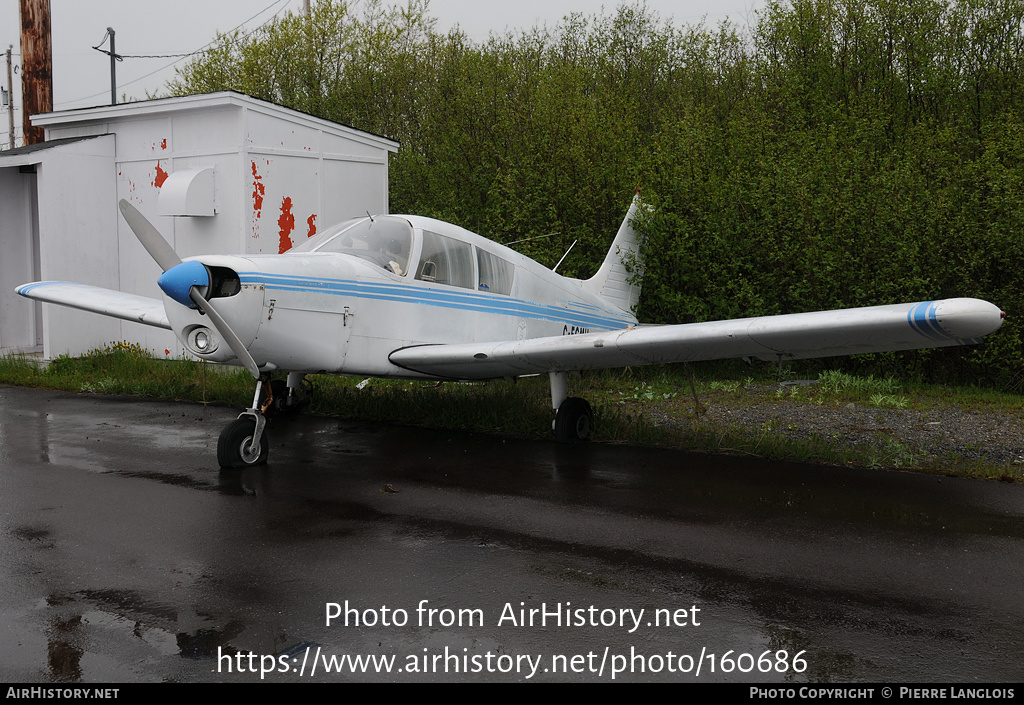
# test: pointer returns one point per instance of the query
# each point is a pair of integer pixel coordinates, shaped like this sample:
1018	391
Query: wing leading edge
129	307
794	336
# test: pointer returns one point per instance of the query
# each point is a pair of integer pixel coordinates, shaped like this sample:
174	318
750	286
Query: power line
201	50
193	53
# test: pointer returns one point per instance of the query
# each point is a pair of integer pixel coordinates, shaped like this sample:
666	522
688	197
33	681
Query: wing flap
794	336
128	307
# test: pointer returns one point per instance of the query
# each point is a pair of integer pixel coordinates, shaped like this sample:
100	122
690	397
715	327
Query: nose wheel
236	449
243	443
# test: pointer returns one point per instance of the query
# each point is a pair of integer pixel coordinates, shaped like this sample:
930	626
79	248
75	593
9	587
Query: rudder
622	265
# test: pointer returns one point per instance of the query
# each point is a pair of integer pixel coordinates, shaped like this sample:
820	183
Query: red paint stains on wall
161	176
287	224
311	222
258	191
163	143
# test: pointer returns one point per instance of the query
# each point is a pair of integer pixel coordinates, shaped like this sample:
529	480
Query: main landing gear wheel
233	447
572	422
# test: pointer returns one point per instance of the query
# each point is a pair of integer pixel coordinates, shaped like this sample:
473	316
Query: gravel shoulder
942	437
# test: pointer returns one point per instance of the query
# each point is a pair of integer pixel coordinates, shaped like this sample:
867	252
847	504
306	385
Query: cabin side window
495	273
445	260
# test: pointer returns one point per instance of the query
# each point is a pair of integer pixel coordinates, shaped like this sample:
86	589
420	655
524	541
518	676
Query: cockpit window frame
391	247
320	239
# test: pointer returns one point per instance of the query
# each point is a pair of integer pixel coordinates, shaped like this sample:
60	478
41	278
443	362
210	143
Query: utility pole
10	96
113	68
36	66
114	58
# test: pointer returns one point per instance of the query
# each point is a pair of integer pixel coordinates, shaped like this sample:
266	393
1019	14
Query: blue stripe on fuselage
481	302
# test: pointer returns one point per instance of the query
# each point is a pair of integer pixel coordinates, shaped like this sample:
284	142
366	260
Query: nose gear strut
242	442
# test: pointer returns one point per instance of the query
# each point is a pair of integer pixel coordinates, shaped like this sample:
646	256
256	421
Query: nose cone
178	281
966	319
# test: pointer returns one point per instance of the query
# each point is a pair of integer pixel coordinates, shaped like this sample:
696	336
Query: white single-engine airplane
410	297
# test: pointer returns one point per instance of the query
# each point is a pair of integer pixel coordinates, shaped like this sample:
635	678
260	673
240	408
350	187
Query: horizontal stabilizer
128	307
929	324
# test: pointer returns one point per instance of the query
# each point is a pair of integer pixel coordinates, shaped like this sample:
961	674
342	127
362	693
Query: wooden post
36	66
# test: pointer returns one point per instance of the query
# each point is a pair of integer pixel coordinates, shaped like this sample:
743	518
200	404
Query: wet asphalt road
126	555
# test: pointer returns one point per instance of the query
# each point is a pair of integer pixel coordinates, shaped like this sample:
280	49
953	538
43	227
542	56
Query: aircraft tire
573	420
235	439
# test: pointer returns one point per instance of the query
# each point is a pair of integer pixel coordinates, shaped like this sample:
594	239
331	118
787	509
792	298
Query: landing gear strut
242	442
573	415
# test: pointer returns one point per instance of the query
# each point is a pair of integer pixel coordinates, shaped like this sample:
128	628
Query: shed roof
162	106
29	154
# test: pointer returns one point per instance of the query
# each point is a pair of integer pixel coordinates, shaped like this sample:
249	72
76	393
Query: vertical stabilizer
622	265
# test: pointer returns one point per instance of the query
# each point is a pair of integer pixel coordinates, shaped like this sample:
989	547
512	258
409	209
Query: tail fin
623	265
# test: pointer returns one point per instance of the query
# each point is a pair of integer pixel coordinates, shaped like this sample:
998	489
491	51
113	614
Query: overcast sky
81	74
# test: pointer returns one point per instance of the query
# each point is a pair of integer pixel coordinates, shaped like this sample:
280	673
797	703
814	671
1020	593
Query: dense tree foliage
836	153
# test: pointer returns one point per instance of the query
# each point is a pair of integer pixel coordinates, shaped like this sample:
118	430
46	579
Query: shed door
21	328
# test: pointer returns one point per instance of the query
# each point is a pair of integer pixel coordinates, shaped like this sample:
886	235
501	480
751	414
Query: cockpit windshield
383	240
320	238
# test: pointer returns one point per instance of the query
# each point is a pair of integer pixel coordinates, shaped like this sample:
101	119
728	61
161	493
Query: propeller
168	259
234	342
149	236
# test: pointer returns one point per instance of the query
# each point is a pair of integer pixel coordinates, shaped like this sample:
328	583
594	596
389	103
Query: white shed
216	173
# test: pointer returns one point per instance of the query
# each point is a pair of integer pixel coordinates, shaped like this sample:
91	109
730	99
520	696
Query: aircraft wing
794	336
108	302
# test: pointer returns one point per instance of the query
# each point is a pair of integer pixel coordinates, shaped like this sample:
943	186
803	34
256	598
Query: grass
125	368
650	406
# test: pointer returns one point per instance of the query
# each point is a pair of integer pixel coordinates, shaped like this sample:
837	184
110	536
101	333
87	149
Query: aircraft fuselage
361	309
